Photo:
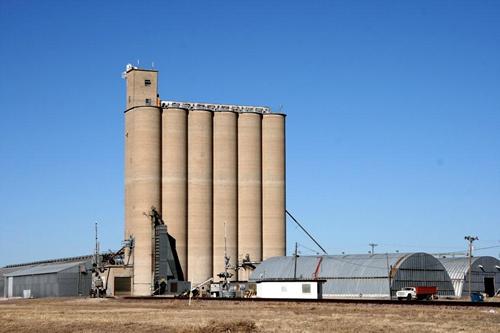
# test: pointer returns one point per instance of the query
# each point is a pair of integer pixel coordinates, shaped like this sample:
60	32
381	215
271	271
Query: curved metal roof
359	274
458	268
354	265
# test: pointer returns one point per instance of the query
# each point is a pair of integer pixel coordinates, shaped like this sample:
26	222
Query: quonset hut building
363	275
485	274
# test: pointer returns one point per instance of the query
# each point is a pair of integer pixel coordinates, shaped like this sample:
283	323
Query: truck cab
407	293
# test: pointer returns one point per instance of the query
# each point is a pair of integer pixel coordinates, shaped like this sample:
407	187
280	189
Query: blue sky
393	128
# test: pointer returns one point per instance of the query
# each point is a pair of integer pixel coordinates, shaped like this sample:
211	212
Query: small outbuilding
359	275
485	277
48	280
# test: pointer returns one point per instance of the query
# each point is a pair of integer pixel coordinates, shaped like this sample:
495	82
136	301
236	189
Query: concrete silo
174	177
250	185
142	171
225	191
200	226
211	170
273	185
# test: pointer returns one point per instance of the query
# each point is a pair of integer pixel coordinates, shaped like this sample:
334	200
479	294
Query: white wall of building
287	289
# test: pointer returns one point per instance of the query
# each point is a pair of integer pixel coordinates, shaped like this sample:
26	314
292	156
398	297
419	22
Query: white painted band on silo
174	178
200	214
250	186
273	185
225	192
142	188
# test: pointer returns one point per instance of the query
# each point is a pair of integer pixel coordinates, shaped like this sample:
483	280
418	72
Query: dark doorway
122	286
489	286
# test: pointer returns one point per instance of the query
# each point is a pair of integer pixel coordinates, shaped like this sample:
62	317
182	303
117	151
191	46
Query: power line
308	248
486	248
304	230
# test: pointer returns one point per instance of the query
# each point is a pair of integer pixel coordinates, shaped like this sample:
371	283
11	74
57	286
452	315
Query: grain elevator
216	172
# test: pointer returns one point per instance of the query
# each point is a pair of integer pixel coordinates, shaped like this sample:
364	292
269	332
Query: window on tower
147	82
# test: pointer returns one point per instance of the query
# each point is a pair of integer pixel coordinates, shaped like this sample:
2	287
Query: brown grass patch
110	316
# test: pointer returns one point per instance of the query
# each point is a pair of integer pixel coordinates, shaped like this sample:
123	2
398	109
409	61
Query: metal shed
485	274
360	275
49	280
7	270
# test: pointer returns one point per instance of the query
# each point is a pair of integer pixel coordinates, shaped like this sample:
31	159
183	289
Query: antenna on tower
226	258
96	251
225	275
152	64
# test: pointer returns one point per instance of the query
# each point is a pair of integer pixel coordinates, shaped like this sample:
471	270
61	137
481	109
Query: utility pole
295	263
373	247
470	239
226	262
388	275
96	250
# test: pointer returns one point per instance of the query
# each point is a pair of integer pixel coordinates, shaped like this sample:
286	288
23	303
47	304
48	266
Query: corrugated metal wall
42	285
73	283
68	282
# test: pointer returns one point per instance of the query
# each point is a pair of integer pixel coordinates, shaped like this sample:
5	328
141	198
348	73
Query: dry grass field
110	315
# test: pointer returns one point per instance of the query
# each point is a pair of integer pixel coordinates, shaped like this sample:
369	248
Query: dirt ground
113	315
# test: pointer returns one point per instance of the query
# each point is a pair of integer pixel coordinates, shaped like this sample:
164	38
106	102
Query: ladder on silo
156	254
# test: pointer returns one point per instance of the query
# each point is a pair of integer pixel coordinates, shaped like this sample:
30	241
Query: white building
292	289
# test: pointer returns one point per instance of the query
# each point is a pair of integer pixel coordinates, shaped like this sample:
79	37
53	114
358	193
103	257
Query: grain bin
200	226
174	177
250	185
225	200
273	185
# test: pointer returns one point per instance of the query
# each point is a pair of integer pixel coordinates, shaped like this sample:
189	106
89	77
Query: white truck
418	293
